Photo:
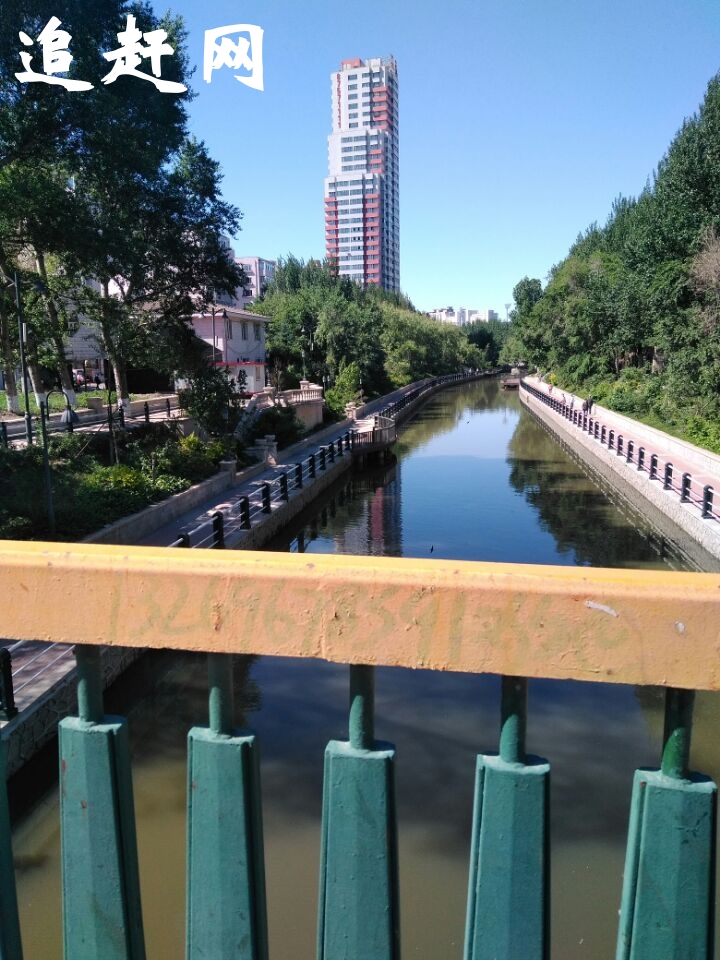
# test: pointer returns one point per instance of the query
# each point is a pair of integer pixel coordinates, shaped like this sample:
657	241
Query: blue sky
520	122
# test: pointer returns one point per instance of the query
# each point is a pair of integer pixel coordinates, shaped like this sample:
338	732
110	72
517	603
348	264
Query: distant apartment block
362	205
260	275
462	315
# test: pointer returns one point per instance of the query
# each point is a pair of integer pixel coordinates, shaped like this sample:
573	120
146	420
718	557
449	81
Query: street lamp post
22	337
68	418
46	471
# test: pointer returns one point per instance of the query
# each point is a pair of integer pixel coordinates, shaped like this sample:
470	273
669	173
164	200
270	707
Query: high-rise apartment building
362	211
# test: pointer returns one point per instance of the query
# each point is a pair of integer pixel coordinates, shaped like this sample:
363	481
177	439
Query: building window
258	332
244	331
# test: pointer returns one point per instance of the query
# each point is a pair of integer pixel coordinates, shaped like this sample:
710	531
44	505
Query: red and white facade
362	210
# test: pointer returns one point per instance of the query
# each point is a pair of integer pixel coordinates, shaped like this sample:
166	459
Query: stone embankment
672	482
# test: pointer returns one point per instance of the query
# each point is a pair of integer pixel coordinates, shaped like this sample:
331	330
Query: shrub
281	422
703	433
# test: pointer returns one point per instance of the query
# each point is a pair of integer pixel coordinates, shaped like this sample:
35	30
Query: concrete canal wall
697	538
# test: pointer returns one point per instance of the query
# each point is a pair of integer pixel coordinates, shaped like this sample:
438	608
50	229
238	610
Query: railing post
284	494
667	907
340	447
218	526
322	458
630	451
685	488
8	710
266	497
298	475
611	440
358	915
102	916
602	434
244	513
653	466
10	943
311	465
620	442
707	501
226	908
668	479
146	411
167	407
508	889
331	451
641	459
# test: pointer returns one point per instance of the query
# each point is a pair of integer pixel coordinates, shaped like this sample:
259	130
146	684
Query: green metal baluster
668	898
102	916
358	907
10	944
226	909
508	889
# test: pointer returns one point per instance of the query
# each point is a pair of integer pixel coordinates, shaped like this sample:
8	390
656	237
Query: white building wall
239	342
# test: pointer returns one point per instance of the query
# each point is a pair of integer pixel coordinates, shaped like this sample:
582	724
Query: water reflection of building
377	529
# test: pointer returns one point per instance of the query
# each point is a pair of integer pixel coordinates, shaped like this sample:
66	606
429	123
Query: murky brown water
476	479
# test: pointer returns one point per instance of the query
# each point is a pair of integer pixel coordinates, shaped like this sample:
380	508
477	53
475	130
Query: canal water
476	478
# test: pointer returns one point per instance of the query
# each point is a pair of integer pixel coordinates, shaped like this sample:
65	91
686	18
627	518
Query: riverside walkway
681	480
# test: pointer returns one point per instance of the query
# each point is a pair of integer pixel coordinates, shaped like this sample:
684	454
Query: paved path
245	486
701	467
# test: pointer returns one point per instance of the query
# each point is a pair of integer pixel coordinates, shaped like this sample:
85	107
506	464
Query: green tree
106	185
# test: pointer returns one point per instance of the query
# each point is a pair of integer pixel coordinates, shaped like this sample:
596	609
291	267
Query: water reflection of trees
582	518
446	409
160	716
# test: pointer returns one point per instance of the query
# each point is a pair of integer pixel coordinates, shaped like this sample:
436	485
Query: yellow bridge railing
514	620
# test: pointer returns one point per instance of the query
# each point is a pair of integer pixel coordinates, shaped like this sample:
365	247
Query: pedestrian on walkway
590	403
